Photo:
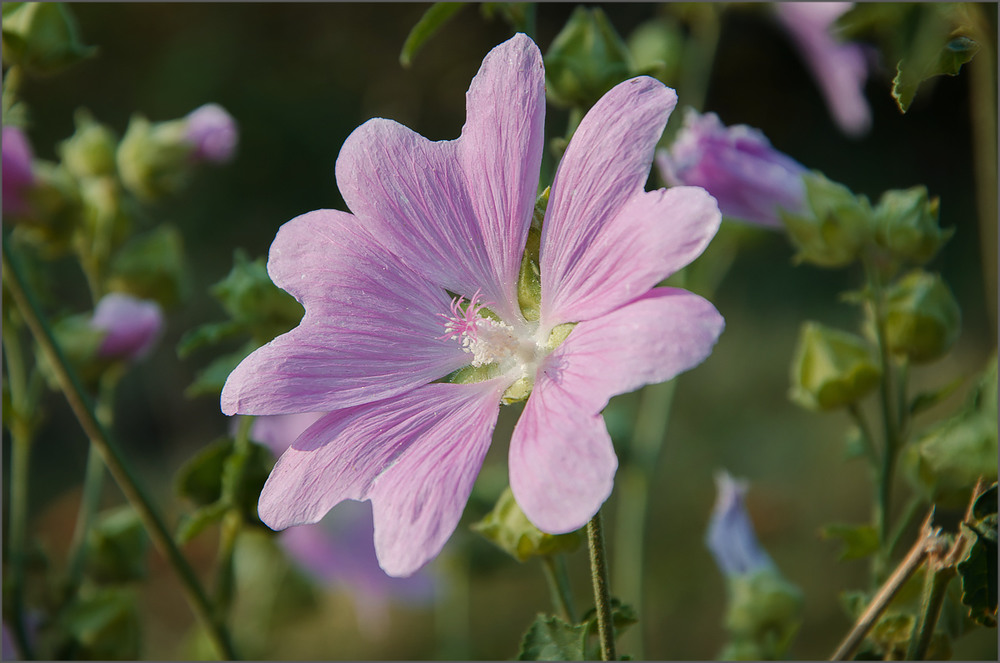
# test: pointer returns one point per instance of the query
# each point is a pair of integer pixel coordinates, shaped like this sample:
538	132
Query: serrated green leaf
425	28
551	639
928	399
859	540
979	577
623	615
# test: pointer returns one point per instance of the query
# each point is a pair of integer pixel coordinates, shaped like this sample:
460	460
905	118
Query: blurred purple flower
213	132
17	175
8	645
749	178
840	69
132	325
381	330
339	550
731	538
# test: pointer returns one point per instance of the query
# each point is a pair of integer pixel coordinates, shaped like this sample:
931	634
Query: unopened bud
923	319
586	59
42	37
831	368
154	159
90	152
213	133
906	225
836	227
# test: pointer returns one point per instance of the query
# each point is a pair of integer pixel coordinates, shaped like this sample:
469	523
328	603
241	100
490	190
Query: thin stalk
232	525
122	473
935	589
20	436
602	596
558	581
849	645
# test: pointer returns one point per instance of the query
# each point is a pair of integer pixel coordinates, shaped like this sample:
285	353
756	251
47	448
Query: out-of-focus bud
906	225
42	37
764	609
656	47
840	69
131	326
151	266
923	319
154	158
213	132
90	151
750	179
53	213
508	528
17	173
586	59
836	227
831	368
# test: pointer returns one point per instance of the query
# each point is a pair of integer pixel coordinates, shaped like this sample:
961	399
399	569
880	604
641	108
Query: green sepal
906	225
922	317
425	28
549	638
42	37
151	266
100	625
508	528
836	227
979	576
859	541
118	545
830	368
529	280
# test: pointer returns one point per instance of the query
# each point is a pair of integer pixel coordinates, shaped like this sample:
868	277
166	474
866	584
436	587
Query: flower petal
605	165
562	463
458	211
372	327
650	340
654	235
415	456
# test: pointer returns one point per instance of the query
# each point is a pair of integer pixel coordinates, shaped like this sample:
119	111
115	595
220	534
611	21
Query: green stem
122	473
558	581
232	524
21	435
935	588
602	596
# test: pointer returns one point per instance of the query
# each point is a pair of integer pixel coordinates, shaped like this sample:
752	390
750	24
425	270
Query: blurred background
299	78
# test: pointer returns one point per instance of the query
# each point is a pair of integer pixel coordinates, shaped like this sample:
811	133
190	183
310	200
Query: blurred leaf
859	540
425	28
622	616
507	527
250	298
208	334
928	399
118	547
42	37
211	379
946	461
515	14
151	266
979	576
191	525
551	639
104	625
199	479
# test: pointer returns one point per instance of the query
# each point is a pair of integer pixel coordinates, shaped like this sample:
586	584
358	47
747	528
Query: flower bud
906	225
831	368
53	211
90	152
587	58
834	229
731	538
213	133
737	165
131	326
923	319
656	47
17	174
154	159
42	37
945	462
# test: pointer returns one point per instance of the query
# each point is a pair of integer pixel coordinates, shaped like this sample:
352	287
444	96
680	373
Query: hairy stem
113	459
602	596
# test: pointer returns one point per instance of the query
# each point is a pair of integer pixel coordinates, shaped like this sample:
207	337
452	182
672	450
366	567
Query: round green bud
906	225
154	159
831	368
836	226
923	319
90	151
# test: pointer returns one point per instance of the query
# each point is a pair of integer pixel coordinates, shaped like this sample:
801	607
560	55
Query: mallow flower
840	68
338	551
418	324
131	325
213	132
731	538
17	174
748	177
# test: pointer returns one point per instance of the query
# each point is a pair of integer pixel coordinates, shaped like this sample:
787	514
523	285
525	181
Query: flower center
490	340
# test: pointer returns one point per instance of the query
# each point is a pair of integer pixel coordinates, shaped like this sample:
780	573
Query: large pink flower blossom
434	220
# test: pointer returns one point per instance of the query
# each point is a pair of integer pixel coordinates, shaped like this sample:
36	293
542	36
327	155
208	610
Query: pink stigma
463	323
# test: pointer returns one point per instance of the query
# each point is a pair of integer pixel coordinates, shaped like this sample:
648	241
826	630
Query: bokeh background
299	78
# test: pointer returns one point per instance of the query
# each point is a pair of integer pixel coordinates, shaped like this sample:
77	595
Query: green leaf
928	399
151	266
986	503
210	379
191	525
979	575
118	547
551	639
910	73
199	479
427	27
104	625
623	615
507	527
859	540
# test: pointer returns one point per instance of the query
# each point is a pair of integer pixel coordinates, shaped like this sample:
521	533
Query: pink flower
840	69
213	132
750	179
17	175
382	327
132	325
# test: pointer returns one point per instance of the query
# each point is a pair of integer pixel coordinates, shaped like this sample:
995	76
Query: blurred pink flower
339	550
840	68
17	175
132	326
731	538
381	329
213	132
750	179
